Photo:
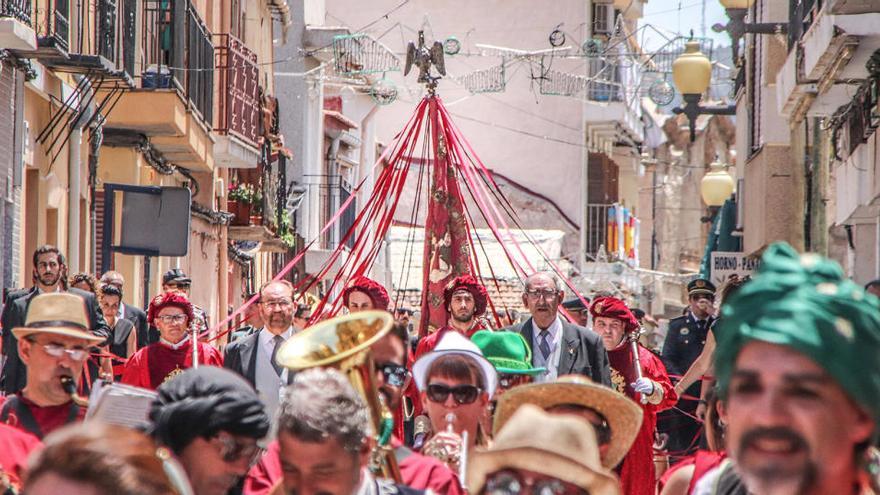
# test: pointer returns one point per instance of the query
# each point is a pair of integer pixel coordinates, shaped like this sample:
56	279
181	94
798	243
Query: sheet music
120	404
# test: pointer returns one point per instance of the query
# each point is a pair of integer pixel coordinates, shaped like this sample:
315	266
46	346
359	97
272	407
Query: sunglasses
510	483
395	374
231	450
463	394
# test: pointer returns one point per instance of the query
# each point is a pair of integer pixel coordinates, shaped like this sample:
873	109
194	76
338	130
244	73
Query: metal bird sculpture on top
423	57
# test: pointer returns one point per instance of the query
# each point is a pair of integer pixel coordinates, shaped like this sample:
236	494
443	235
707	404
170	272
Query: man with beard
392	377
560	347
796	368
684	342
324	440
640	377
54	343
253	357
211	419
465	300
49	274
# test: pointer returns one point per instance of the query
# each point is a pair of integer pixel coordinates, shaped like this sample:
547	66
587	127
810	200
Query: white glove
643	386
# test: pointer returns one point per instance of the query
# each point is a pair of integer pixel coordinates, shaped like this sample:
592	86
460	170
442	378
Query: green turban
805	302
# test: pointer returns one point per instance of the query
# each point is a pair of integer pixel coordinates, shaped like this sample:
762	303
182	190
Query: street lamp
737	27
691	73
717	185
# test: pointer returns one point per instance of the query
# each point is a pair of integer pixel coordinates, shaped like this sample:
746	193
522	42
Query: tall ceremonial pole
447	248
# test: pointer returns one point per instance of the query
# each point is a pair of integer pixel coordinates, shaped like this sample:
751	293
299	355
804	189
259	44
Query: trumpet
69	387
344	343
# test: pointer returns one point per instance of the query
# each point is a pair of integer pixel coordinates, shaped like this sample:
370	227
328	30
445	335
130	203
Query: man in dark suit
49	275
135	315
253	357
561	347
684	343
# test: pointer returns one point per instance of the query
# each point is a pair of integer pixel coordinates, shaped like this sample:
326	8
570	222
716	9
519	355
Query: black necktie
278	341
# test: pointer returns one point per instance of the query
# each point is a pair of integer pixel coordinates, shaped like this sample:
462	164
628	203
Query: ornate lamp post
691	73
737	27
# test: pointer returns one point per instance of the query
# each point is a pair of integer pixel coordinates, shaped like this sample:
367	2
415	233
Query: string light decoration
361	54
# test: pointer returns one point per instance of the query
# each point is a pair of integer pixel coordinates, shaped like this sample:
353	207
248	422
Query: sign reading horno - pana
724	264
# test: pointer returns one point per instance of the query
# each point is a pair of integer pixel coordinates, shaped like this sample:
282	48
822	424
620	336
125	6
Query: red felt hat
611	307
172	298
371	288
469	283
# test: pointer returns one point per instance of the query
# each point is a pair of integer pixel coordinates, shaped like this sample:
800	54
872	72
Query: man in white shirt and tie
561	347
253	357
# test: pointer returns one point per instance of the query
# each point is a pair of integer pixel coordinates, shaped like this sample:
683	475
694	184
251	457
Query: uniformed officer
684	343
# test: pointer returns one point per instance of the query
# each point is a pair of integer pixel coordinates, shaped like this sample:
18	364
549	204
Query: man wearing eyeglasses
559	346
211	419
684	342
54	343
253	357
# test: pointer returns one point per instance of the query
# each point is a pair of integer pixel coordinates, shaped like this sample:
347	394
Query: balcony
258	199
239	108
174	96
846	7
16	32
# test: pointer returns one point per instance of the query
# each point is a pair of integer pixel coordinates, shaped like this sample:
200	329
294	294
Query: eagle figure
423	57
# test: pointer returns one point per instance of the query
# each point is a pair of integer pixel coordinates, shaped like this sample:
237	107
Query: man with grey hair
559	346
324	440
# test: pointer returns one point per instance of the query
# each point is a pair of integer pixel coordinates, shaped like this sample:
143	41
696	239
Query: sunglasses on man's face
463	394
232	450
395	374
508	482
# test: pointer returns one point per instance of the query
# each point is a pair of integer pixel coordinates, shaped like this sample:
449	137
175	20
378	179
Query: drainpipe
223	275
364	166
74	181
333	196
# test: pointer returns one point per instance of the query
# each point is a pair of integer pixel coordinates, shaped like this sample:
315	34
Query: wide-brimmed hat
454	343
507	351
58	313
561	447
624	416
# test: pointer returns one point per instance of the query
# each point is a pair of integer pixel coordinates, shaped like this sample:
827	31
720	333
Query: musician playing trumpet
54	343
455	383
641	376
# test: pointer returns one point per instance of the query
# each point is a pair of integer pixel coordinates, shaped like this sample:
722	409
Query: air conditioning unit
603	21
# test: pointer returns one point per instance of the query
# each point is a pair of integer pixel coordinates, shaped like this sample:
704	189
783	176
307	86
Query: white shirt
268	383
552	361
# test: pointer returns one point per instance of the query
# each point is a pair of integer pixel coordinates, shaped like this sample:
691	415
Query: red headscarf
469	283
371	288
169	299
612	307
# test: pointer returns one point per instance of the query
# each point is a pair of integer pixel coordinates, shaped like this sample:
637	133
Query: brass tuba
344	343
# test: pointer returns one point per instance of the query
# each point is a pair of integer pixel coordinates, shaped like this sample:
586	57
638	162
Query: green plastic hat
507	351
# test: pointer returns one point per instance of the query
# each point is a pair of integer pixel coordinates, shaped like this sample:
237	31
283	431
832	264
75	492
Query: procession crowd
771	388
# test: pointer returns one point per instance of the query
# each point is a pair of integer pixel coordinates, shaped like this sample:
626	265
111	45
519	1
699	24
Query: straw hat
58	313
557	446
624	416
454	343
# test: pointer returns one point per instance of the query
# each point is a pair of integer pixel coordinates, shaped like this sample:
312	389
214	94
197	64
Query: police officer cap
701	286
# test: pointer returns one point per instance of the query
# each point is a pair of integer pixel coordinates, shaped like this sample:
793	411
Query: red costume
157	363
417	471
39	421
374	290
481	297
703	462
637	475
15	446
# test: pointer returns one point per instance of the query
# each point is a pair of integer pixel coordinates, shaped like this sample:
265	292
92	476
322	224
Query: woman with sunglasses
455	383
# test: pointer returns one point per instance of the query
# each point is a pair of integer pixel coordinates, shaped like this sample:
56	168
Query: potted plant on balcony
256	212
240	203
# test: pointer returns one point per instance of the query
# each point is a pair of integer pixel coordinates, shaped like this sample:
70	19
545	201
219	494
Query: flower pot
256	219
242	212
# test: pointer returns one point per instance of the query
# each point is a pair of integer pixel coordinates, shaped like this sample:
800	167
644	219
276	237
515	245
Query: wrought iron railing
17	9
178	52
239	78
596	230
106	24
331	192
53	25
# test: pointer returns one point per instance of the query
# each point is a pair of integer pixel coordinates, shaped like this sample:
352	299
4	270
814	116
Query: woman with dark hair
157	363
84	281
123	339
100	459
